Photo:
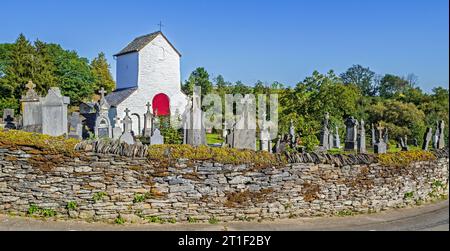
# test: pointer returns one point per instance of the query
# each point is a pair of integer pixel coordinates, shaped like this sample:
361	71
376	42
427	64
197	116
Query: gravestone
245	129
330	141
148	121
103	127
139	123
127	136
436	136
337	139
9	123
264	138
32	110
75	126
117	129
157	138
224	133
427	139
441	139
54	113
352	134
386	136
362	138
324	134
292	133
8	112
374	140
380	147
19	123
194	129
403	144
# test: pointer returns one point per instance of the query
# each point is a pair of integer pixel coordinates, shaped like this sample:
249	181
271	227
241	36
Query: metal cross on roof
160	25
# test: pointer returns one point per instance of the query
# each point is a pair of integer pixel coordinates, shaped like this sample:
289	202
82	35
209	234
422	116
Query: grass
213	221
214	139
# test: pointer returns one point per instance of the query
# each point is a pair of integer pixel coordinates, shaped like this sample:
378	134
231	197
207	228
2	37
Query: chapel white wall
127	70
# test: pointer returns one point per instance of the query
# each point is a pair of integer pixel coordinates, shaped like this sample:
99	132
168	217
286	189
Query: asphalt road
434	217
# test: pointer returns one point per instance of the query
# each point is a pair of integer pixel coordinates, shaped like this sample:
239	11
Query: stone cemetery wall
96	186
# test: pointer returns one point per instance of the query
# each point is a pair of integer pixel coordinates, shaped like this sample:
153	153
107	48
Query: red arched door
161	105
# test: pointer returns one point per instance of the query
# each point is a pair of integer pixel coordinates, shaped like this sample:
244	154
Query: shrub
45	212
72	205
404	159
310	142
119	220
138	198
33	209
99	196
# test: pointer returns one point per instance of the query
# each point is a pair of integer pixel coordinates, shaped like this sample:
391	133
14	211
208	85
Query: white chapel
148	71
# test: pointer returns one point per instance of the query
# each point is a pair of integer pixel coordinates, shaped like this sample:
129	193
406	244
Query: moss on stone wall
404	159
48	144
220	155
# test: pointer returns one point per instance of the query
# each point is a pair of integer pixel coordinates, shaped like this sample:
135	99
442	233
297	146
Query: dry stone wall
97	186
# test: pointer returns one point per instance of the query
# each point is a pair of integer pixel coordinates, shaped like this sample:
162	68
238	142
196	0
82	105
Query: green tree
199	77
74	75
19	70
361	77
400	118
45	70
102	74
391	85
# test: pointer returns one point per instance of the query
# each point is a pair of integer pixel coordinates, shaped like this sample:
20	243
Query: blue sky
252	40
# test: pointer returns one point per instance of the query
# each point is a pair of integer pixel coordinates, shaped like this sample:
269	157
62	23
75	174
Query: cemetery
142	153
49	168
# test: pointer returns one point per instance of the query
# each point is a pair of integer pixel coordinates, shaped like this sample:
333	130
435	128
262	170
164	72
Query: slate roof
119	95
142	41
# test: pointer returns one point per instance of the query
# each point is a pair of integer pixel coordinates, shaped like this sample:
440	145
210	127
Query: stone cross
31	110
380	147
324	135
127	137
337	139
362	138
374	141
148	121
